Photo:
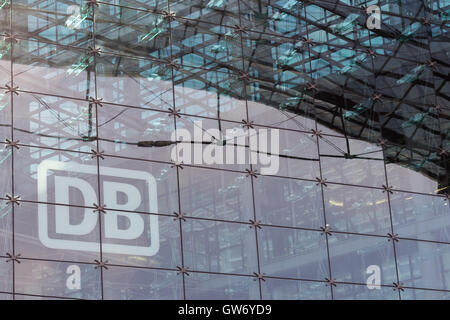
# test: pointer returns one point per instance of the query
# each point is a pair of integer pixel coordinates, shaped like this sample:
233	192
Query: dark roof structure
387	86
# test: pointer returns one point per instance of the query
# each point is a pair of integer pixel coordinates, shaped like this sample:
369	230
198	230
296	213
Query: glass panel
6	227
209	11
141	284
280	116
215	194
361	292
419	216
202	286
357	209
58	279
6	170
134	82
423	264
55	70
6	272
140	186
291	253
132	32
296	167
417	294
158	5
5	296
5	113
64	23
18	296
212	143
277	289
212	94
5	12
51	232
36	172
359	259
55	122
143	240
408	180
121	129
205	45
219	247
356	163
288	202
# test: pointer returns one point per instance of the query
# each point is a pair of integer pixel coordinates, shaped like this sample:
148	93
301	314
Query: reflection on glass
141	284
219	247
202	286
90	96
57	279
290	253
356	209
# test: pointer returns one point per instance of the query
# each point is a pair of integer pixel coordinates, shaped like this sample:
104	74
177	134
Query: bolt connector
322	182
174	112
255	224
398	286
12	144
388	189
12	199
316	133
258	276
330	282
101	264
99	208
393	237
178	165
97	154
326	230
179	217
13	258
96	101
247	124
182	270
251	173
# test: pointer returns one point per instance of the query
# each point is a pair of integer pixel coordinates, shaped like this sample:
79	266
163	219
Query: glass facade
95	206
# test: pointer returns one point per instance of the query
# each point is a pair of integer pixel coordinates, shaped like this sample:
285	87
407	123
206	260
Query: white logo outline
47	165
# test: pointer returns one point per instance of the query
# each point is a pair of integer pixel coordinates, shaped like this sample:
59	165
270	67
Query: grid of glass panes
359	190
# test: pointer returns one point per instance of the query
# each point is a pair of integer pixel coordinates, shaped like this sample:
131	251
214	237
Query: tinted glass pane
142	284
224	149
214	286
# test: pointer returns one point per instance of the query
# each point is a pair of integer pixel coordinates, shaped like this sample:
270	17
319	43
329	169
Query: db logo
124	232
